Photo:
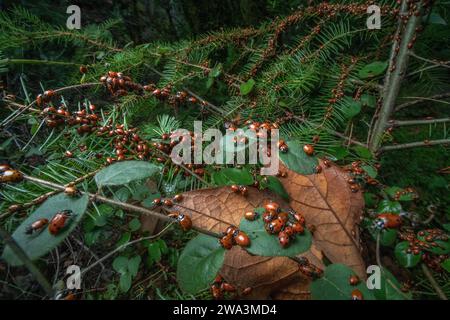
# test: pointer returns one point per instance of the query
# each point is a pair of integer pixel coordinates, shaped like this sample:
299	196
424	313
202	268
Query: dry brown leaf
328	204
265	275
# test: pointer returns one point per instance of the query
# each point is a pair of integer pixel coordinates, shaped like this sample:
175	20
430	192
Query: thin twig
434	98
399	123
414	144
433	282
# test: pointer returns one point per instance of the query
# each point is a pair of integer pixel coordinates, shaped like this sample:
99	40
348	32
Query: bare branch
415	144
399	123
434	98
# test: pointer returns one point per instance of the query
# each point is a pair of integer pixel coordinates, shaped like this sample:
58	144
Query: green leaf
407	260
124	172
390	288
350	108
274	185
134	224
363	152
265	244
124	239
370	199
199	263
154	252
387	236
247	87
120	264
38	244
446	265
368	100
125	282
442	247
209	83
339	152
334	285
297	160
229	176
371	171
389	206
372	69
133	265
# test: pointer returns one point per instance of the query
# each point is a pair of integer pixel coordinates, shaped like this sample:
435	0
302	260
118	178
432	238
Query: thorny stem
433	282
18	251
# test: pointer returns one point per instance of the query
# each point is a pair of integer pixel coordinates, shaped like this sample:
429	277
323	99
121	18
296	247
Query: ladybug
388	221
178	198
250	215
298	217
157	202
247	291
11	175
274	226
272	207
298	228
37	225
227	241
283	148
283	216
318	168
184	220
243	190
235	188
58	222
357	295
225	286
241	238
308	149
353	280
168	203
218	279
283	238
71	191
269	216
216	292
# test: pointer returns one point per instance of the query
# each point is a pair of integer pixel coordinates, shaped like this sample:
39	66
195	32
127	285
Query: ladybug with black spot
59	221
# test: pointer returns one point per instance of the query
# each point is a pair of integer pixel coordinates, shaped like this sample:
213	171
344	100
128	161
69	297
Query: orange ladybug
283	238
274	226
168	203
298	228
241	238
71	191
178	198
184	220
247	291
216	292
225	286
250	215
308	149
353	280
272	207
4	167
11	175
37	225
226	241
58	222
388	221
357	295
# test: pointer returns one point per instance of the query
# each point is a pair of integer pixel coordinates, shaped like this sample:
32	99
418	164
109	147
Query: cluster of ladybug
407	191
57	223
243	190
8	175
278	222
234	236
356	294
85	121
427	241
220	287
359	175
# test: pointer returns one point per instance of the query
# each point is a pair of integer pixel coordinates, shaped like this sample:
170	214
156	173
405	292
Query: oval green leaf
297	160
372	69
247	87
229	176
38	244
124	172
199	263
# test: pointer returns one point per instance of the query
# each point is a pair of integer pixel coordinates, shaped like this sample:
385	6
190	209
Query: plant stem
433	282
434	98
35	61
414	144
399	123
122	205
18	251
393	78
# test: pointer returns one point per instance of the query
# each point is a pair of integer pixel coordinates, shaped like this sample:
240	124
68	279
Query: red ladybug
225	286
357	295
184	220
388	221
308	149
216	292
58	222
283	238
178	198
226	241
353	280
269	216
298	228
250	215
241	238
272	207
274	226
37	225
